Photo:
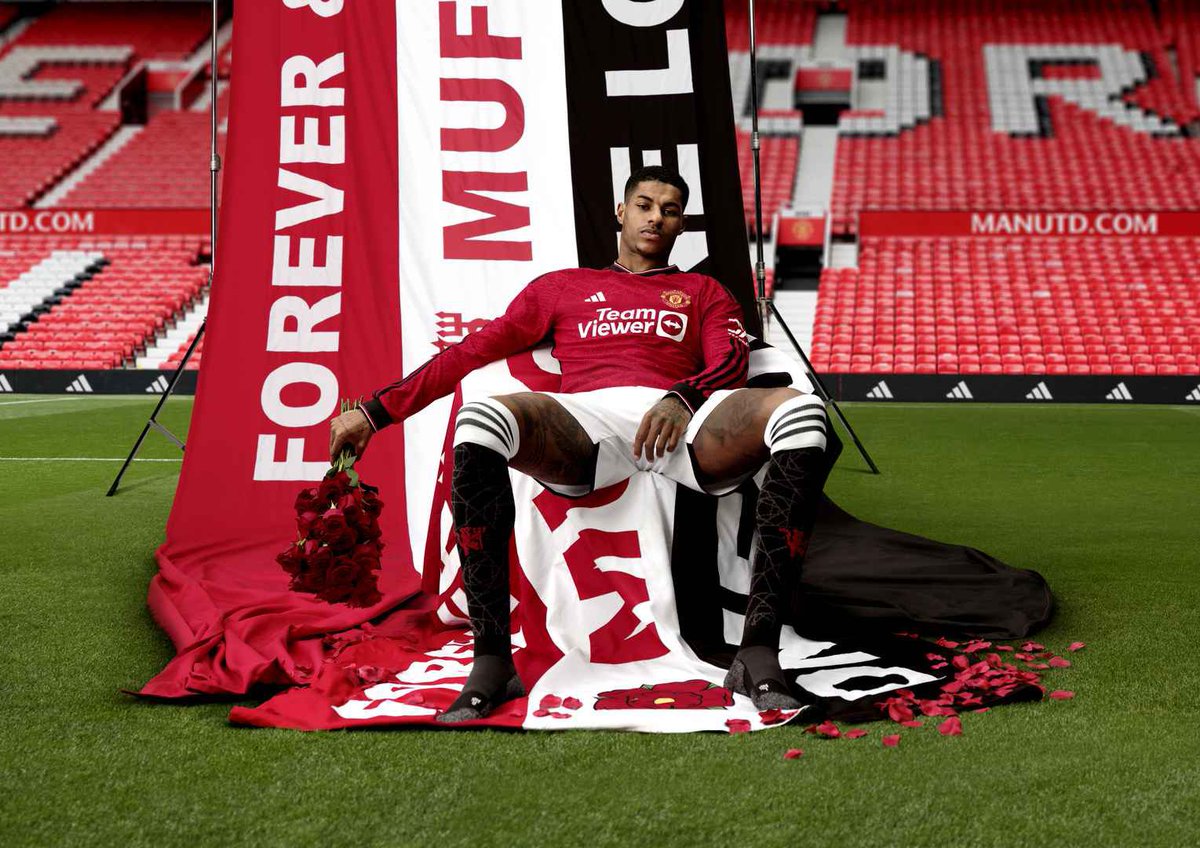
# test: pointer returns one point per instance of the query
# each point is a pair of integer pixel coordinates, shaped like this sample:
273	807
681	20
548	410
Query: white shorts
611	418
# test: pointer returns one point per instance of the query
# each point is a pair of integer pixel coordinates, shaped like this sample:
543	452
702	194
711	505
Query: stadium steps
176	339
814	178
829	40
44	285
87	167
798	309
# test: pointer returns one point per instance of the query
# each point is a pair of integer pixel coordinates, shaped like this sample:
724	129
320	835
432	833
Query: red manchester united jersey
662	329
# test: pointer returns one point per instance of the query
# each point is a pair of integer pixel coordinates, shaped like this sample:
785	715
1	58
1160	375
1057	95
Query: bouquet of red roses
336	556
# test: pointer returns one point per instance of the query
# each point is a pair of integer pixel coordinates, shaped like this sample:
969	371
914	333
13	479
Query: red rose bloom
686	695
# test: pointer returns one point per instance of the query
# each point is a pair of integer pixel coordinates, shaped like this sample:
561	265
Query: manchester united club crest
676	299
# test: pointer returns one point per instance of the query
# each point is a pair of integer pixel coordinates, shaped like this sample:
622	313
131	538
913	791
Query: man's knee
490	424
795	421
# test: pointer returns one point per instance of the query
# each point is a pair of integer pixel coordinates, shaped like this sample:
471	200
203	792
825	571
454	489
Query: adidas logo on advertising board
1193	395
1040	392
5	386
1119	393
80	384
880	391
159	385
960	392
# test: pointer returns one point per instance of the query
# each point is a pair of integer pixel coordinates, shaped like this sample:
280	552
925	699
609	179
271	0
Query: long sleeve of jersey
726	352
528	320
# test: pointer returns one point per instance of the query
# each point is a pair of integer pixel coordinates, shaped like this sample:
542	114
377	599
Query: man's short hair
657	174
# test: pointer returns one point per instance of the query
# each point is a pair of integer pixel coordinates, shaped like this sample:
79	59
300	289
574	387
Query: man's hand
349	429
662	428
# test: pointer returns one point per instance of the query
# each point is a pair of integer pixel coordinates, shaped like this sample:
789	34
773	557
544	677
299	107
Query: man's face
651	219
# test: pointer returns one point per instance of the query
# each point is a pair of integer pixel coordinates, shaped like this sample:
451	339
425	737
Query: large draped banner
397	170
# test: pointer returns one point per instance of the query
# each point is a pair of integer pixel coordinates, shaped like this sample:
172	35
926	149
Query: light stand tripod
766	306
214	170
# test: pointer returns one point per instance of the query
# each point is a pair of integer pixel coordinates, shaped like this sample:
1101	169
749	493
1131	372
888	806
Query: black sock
784	517
481	500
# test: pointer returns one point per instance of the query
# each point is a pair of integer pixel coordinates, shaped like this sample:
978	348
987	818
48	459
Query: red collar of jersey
670	269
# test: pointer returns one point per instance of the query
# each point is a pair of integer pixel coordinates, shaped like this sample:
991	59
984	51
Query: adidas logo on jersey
159	385
1040	392
598	297
1119	393
880	392
1193	395
5	386
960	392
80	384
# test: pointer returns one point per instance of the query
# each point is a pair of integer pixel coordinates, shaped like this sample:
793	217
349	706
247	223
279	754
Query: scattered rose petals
1062	695
541	713
793	754
738	725
1033	646
1059	662
936	666
960	662
1023	656
856	733
891	741
828	729
951	727
976	645
913	723
559	715
775	716
946	643
983	709
572	703
549	702
1005	648
934	657
1077	646
1039	666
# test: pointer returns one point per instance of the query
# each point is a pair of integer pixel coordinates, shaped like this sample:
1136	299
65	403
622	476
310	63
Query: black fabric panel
596	43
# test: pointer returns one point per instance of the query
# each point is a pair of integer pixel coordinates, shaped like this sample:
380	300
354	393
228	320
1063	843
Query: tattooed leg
534	434
788	429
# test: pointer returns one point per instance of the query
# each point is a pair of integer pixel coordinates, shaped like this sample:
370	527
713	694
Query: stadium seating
165	165
957	161
1012	306
102	303
161	31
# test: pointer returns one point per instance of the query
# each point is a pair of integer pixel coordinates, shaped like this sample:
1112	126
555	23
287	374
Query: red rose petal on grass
541	713
982	709
899	711
1062	695
828	729
951	727
960	662
976	645
1059	662
738	725
549	702
891	741
856	733
1023	656
946	643
1039	666
913	723
572	703
936	666
1076	646
1004	648
1033	646
793	754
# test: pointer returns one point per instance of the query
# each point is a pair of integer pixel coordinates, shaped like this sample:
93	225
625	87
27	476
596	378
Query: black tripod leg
153	420
820	387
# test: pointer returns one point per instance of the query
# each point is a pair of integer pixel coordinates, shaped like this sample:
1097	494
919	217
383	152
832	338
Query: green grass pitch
1102	500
